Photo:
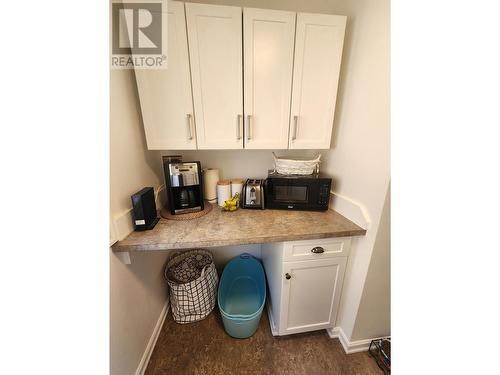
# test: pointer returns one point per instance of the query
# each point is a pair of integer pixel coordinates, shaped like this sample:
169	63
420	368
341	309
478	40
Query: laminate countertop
241	227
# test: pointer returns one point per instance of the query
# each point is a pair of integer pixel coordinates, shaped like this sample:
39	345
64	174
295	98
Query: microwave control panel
324	194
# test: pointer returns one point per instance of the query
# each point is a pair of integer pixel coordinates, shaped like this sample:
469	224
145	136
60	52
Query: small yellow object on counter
232	204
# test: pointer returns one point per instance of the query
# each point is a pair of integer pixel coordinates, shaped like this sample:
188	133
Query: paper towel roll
223	191
210	178
236	186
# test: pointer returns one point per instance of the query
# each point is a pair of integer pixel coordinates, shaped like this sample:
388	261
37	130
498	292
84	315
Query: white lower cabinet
304	295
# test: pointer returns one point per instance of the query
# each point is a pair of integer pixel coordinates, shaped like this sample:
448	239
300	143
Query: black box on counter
144	209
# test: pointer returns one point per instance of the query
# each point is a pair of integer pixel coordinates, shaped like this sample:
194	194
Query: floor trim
143	364
349	346
272	325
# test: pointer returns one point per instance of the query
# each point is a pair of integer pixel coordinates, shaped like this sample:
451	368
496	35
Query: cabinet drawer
317	249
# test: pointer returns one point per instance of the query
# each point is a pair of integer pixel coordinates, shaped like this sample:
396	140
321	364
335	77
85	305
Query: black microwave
310	192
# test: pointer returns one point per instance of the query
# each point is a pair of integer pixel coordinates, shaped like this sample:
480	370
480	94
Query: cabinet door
318	51
268	56
311	295
165	94
215	50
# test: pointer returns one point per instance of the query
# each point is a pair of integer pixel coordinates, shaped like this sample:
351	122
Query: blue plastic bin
242	295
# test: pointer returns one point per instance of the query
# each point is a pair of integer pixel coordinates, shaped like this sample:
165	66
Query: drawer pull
287	276
317	250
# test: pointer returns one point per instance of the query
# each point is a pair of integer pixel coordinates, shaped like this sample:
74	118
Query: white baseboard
337	332
272	324
349	346
143	364
354	211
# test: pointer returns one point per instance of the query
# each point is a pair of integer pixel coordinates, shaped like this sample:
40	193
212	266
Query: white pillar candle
236	186
223	191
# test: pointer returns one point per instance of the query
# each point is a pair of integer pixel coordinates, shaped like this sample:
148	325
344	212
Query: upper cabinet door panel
318	52
165	94
215	48
268	56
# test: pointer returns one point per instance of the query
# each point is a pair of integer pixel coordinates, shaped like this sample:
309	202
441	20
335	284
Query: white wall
360	158
224	254
137	296
137	291
374	318
132	166
241	164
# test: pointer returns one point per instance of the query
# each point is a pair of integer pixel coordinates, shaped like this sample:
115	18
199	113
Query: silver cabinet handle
240	125
317	250
190	125
249	124
295	121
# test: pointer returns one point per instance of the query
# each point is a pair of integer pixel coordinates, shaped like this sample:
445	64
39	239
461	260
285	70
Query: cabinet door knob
317	250
287	276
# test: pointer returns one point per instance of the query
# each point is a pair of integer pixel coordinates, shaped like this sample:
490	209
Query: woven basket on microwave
291	166
192	279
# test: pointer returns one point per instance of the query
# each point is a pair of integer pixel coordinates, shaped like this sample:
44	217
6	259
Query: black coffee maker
184	185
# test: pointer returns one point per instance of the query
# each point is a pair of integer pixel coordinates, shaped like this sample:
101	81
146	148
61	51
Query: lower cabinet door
311	294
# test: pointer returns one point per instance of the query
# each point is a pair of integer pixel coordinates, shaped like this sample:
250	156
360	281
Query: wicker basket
291	166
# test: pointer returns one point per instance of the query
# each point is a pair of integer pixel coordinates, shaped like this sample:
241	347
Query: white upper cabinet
268	61
318	51
287	73
165	94
215	49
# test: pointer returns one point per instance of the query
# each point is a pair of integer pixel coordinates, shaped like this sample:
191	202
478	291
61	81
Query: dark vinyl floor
205	348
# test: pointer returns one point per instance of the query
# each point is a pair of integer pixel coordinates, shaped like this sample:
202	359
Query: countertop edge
233	242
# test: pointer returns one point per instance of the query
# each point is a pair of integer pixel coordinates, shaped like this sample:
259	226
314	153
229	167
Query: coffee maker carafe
184	186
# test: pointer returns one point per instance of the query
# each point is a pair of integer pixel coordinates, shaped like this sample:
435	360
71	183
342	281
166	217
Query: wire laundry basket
192	280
